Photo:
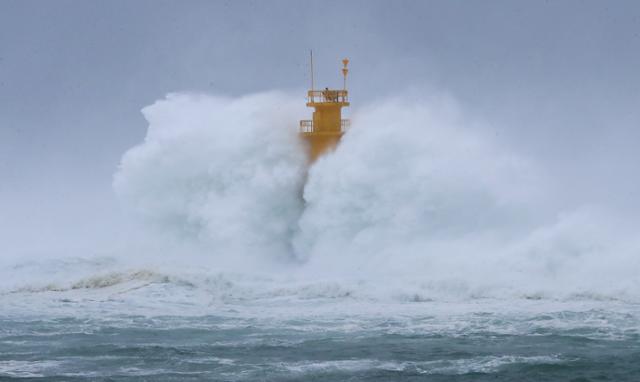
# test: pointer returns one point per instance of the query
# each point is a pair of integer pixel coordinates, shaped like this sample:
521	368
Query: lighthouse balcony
327	96
306	126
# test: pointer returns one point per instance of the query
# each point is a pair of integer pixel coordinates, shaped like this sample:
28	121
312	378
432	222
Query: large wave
223	172
417	197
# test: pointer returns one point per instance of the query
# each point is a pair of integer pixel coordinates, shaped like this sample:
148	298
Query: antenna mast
311	53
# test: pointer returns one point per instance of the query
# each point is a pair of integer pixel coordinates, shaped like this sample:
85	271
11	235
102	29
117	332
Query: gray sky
559	80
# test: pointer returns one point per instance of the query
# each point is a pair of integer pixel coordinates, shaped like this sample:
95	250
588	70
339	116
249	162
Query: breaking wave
418	203
417	196
222	172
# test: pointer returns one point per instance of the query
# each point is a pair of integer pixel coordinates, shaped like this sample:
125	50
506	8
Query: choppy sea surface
149	325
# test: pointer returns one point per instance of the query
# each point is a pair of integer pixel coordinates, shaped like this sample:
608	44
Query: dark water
587	346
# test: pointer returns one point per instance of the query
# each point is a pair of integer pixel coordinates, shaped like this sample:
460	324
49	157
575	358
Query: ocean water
148	325
141	324
423	248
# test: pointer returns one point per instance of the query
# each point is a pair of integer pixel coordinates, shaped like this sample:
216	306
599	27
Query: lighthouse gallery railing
317	96
306	126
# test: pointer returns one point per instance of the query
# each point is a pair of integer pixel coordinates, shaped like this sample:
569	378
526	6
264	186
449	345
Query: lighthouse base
320	143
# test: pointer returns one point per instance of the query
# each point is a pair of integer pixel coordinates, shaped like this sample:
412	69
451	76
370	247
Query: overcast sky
559	80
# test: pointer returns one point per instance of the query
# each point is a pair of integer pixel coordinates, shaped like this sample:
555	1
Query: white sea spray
417	204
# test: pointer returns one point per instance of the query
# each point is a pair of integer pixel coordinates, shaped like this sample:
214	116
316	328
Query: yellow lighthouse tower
323	132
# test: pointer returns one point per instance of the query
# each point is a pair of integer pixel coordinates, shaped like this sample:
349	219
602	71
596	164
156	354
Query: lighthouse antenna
311	54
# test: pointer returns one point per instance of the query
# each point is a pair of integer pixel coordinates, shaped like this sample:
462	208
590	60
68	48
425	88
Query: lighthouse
323	132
